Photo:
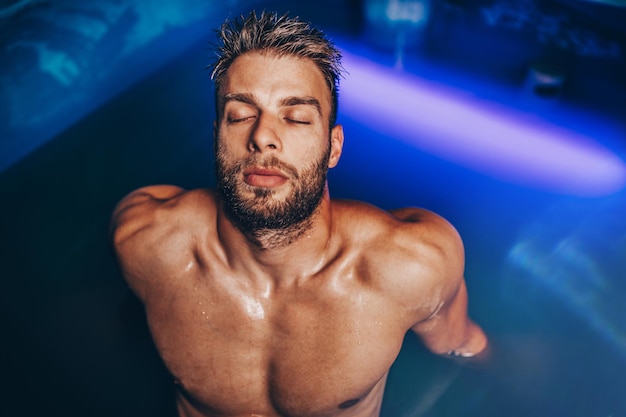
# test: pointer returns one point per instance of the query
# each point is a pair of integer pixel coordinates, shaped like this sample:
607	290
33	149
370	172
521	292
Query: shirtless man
266	297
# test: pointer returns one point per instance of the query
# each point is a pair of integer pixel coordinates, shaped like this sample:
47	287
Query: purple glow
510	146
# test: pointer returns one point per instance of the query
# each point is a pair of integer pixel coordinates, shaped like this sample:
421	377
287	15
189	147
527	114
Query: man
266	297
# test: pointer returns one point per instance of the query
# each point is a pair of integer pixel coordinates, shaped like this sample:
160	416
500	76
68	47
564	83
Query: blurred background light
398	25
491	139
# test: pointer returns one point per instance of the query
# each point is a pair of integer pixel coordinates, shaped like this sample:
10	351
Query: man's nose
264	136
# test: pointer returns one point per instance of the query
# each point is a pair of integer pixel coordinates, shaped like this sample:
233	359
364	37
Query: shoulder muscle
435	255
136	211
144	233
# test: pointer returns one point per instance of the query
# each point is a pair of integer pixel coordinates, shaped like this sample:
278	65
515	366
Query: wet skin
308	328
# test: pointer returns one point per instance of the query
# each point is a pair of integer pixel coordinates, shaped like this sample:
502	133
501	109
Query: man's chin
279	192
267	214
265	198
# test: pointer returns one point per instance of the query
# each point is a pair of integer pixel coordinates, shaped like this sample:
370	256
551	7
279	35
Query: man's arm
446	329
136	233
449	330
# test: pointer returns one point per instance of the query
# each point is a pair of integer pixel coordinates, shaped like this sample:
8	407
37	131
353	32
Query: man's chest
313	351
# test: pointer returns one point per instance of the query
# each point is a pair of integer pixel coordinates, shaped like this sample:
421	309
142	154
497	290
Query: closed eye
299	122
239	119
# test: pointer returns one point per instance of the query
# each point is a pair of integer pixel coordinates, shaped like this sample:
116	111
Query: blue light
396	24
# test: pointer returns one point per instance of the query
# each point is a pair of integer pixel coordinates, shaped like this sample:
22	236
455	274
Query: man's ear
336	145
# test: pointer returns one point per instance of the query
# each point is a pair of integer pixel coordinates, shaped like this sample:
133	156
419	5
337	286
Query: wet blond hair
283	35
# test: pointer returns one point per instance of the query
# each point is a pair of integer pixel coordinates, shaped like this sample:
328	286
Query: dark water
545	272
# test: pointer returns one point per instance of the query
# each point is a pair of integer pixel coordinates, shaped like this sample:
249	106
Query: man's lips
264	177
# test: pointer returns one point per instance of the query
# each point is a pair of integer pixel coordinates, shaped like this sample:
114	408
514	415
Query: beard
256	212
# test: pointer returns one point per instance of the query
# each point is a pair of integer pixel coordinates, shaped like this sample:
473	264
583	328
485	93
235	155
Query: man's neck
290	255
271	239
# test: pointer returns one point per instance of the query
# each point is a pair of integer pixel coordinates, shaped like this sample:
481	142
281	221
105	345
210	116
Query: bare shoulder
432	230
415	233
152	230
415	255
153	207
437	245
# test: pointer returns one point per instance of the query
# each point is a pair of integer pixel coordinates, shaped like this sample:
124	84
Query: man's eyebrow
302	100
287	101
240	97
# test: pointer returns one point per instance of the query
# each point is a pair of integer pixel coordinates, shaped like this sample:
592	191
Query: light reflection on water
575	252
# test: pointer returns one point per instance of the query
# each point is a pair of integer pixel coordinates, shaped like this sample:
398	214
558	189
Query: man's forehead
287	79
